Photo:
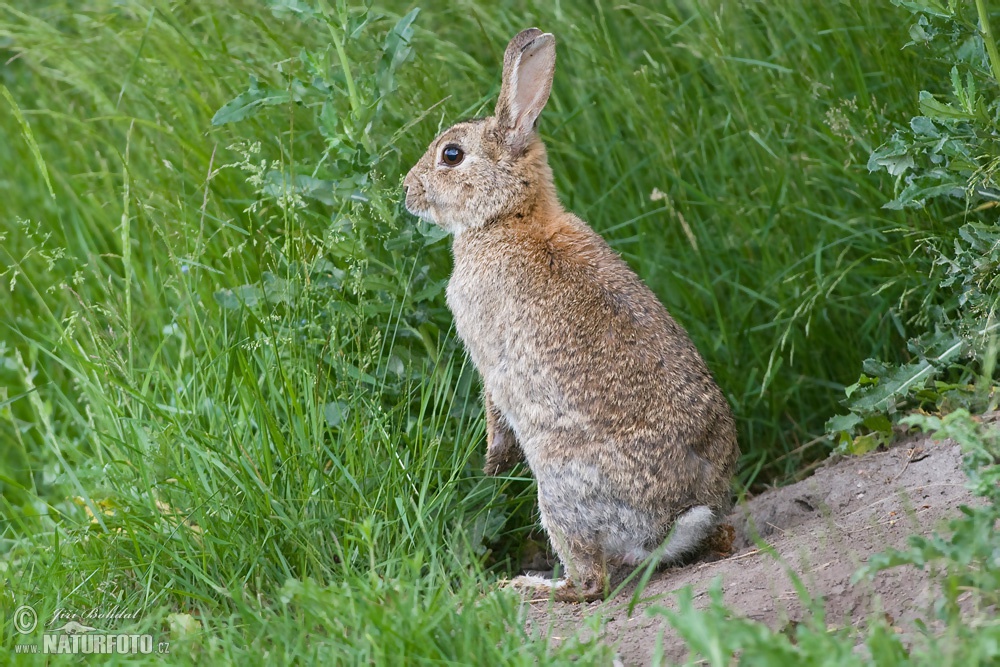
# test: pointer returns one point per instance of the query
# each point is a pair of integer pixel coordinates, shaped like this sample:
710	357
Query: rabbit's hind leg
562	589
576	540
585	578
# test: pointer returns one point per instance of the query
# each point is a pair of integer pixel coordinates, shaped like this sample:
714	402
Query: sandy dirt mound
822	528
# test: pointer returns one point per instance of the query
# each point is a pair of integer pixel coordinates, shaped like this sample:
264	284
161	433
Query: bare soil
822	529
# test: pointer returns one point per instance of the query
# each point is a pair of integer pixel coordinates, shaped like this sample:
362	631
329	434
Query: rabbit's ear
528	67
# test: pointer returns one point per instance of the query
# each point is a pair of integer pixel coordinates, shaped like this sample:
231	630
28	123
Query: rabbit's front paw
502	453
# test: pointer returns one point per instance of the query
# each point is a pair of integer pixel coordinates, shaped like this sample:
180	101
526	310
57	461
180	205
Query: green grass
234	401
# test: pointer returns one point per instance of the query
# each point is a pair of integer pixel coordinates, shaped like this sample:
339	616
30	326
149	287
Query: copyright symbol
25	619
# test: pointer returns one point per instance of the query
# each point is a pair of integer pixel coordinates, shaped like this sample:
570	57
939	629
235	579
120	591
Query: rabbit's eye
452	155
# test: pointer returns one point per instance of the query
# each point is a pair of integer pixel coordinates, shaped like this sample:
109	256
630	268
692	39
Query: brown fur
586	375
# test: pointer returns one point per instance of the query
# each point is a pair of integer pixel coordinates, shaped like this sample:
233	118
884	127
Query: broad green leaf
884	395
843	423
931	107
924	126
916	194
430	291
283	9
278	184
246	104
234	299
335	413
891	158
866	443
930	7
396	51
431	232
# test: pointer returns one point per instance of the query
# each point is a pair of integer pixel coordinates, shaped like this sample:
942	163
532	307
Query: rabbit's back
588	366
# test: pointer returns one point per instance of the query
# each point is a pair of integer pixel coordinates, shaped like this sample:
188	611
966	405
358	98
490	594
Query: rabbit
586	376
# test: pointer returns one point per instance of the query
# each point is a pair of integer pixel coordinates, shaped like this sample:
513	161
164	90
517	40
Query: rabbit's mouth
426	204
415	205
419	204
415	199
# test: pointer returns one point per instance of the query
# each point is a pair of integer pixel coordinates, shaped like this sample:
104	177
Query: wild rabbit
586	375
